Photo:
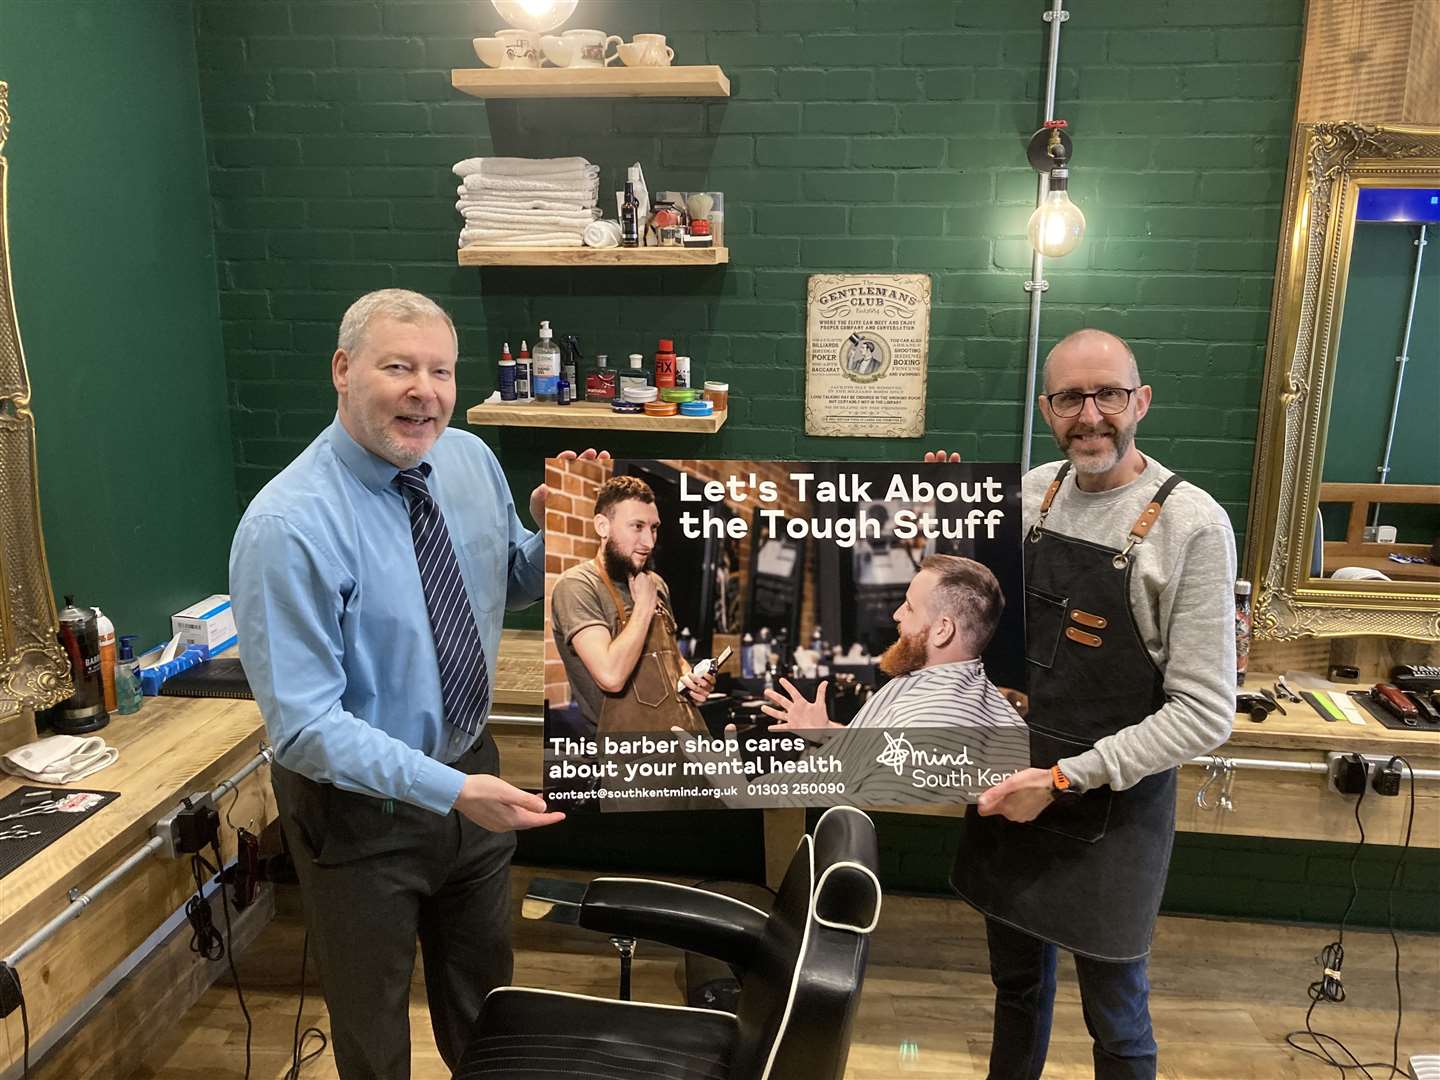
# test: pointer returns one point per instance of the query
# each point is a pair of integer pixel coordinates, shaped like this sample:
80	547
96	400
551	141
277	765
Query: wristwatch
1060	783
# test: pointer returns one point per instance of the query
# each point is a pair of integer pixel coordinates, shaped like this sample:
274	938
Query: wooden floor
1224	995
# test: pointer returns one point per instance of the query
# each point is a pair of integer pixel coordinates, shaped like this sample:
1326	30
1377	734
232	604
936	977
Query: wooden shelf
586	256
589	414
703	80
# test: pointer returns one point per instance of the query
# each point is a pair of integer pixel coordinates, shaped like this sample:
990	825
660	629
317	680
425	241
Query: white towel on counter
481	202
502	238
539	220
602	234
60	759
536	242
569	187
515	166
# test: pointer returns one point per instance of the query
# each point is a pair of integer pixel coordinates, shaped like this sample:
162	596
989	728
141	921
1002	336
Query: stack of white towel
526	202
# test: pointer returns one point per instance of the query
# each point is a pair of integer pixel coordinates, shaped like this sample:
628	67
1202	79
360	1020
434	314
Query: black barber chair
800	969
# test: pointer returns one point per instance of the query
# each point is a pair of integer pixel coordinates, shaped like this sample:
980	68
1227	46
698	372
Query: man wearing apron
1129	614
615	630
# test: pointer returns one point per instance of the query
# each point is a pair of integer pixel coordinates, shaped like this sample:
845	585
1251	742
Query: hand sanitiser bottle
546	359
127	678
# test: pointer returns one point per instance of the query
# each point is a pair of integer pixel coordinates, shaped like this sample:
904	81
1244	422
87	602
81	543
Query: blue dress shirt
334	633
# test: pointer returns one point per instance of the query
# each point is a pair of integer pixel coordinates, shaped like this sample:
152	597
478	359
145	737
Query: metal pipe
1273	765
1037	284
79	901
266	755
1400	361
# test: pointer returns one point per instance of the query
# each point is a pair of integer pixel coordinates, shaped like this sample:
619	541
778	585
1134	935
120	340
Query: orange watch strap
1059	779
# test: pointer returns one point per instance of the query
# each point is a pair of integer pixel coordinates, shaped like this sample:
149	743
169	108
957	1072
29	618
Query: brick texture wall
861	135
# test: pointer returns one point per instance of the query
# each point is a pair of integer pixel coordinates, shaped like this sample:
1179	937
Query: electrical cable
14	977
297	1061
205	939
230	954
1330	987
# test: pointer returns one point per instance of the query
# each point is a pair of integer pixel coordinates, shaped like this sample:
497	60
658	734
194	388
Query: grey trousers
374	875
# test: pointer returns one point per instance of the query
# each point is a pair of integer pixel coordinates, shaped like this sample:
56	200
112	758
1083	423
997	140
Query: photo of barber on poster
759	634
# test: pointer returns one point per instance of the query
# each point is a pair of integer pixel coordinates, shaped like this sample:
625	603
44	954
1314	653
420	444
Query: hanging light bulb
537	15
1057	225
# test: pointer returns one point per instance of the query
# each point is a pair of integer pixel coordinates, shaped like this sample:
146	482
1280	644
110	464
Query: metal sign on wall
867	340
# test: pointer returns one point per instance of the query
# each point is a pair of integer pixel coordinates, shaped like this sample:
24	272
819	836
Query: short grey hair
402	305
1089	335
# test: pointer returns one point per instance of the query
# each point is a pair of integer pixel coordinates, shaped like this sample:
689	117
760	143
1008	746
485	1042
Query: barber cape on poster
761	634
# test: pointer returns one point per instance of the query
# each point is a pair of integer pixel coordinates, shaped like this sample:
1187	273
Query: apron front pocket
1083	817
650	685
1044	623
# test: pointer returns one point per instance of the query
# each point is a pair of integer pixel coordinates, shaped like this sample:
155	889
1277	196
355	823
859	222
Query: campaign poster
733	634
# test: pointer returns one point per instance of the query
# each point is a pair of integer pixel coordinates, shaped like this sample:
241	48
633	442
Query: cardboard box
211	623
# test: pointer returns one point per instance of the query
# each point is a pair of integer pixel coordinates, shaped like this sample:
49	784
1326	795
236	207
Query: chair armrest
696	920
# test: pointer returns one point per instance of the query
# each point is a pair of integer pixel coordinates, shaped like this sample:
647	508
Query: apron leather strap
1146	521
1050	494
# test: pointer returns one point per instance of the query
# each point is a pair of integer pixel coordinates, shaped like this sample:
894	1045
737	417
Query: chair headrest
847	891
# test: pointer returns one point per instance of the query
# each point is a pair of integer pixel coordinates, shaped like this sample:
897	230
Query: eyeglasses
1108	399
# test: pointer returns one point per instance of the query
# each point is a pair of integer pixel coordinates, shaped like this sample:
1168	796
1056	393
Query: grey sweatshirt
1182	595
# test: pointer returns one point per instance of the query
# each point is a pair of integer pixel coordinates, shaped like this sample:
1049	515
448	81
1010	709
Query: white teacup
647	50
522	48
491	51
580	48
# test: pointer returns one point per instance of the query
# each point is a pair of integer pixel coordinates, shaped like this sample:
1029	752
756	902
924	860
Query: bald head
1091	346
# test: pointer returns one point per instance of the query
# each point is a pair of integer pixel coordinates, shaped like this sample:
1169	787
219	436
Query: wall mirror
1345	502
34	673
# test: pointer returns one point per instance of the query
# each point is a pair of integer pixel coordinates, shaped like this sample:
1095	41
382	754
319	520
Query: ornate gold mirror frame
34	673
1329	164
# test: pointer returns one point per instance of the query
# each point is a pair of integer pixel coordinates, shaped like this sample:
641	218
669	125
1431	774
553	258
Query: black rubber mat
53	813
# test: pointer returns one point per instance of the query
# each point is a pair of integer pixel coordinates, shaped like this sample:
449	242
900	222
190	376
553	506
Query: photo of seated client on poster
761	634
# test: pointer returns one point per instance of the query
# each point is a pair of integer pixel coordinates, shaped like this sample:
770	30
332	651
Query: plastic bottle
665	363
105	629
507	374
747	656
128	694
546	366
523	388
682	372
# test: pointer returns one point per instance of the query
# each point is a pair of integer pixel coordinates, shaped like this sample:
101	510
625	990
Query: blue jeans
1115	998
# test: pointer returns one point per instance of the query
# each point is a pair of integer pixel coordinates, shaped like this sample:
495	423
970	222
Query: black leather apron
1088	873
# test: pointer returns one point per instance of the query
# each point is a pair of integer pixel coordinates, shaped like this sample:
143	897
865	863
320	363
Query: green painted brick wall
860	135
882	135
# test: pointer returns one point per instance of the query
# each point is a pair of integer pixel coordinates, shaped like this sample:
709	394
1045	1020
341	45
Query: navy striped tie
464	681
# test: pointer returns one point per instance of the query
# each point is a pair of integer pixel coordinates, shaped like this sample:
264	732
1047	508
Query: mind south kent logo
896	753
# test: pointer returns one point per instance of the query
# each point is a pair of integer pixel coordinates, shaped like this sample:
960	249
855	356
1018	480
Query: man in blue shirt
369	581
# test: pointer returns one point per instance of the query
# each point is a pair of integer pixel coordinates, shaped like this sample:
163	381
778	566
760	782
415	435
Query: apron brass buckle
1122	560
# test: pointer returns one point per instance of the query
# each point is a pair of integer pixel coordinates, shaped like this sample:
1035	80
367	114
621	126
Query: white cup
491	51
522	48
647	50
580	48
